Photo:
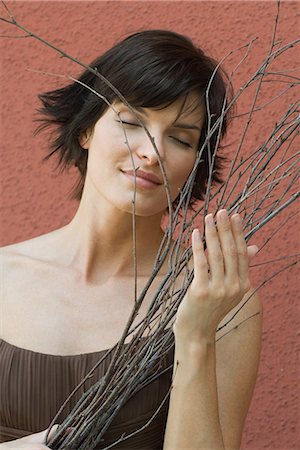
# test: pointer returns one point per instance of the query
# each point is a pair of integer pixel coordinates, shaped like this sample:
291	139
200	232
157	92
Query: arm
237	356
213	382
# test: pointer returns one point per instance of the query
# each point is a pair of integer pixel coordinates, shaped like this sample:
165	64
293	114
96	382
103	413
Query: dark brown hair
150	68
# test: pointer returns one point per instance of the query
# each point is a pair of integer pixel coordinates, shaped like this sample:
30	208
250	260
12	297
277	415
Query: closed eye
129	123
179	141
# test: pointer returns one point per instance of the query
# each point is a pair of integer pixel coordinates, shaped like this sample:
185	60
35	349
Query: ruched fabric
34	385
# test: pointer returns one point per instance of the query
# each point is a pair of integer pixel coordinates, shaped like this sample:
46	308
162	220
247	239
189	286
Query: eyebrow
185	126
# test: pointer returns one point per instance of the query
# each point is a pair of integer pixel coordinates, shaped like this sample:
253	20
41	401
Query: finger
37	438
199	258
252	251
228	245
241	245
51	433
214	251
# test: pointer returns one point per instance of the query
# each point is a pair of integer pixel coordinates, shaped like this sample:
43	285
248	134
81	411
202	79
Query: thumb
252	251
38	438
52	431
54	428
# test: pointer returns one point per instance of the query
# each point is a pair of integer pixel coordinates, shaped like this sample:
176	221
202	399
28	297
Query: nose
148	152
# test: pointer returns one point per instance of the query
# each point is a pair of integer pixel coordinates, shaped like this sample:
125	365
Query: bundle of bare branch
259	186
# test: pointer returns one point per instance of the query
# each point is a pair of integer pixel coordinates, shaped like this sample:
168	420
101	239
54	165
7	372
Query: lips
144	175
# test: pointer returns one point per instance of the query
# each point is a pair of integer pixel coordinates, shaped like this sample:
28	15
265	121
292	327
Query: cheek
180	175
184	168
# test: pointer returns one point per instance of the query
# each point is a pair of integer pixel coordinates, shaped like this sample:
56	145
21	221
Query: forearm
193	418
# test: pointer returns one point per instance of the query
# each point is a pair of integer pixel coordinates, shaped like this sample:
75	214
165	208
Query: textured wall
35	199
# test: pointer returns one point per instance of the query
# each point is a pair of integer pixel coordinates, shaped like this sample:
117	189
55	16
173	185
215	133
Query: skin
92	255
208	404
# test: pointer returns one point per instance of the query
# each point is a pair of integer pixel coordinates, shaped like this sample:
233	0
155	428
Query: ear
85	139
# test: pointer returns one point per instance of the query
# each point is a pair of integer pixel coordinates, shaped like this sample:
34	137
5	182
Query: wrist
194	354
197	333
194	341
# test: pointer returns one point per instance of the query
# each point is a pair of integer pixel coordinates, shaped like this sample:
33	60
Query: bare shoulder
35	248
18	261
32	255
24	267
13	257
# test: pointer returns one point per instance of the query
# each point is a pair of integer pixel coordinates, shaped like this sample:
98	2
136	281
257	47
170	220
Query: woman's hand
32	442
221	278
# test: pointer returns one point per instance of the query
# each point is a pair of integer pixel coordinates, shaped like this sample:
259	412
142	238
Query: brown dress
34	385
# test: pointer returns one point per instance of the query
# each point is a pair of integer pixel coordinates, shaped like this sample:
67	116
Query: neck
100	243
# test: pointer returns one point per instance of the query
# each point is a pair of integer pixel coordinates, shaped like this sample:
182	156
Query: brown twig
257	185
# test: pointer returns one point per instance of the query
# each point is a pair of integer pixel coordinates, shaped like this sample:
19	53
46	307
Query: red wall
35	199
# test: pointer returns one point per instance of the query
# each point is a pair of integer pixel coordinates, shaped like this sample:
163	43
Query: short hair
150	68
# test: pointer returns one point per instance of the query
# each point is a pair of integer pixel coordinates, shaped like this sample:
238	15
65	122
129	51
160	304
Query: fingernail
197	236
237	219
223	216
209	221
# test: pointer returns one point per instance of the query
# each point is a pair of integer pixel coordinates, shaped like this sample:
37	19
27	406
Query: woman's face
175	130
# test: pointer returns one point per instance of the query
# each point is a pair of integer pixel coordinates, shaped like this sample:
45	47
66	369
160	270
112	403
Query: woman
69	290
